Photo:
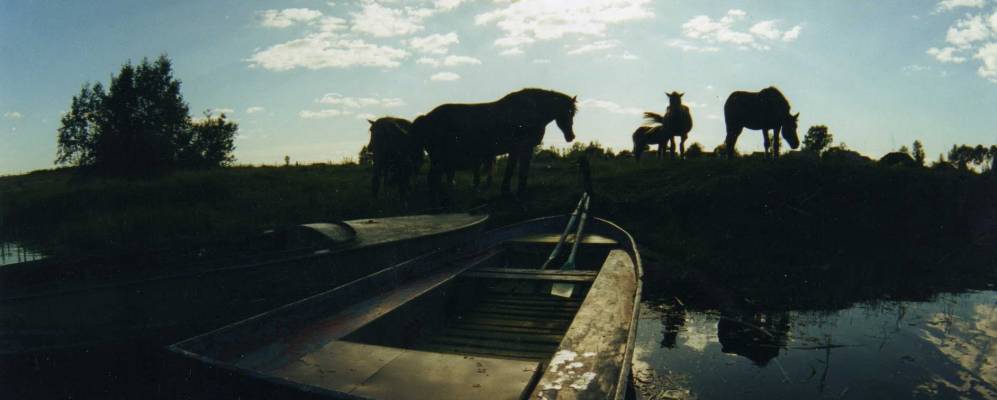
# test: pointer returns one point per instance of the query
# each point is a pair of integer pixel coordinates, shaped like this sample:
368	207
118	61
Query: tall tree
918	152
817	139
140	124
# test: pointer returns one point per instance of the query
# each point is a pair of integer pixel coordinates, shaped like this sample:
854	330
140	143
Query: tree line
141	124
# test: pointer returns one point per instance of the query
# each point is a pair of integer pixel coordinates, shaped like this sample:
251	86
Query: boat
481	321
43	308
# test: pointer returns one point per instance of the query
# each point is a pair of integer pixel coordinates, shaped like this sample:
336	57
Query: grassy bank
747	221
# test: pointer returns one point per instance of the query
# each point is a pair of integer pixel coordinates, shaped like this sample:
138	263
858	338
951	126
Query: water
12	253
943	348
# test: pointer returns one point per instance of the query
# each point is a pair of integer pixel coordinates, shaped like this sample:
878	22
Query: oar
564	289
564	235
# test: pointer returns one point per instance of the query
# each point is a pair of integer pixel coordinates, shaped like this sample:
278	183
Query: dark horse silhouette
765	110
459	136
676	121
396	154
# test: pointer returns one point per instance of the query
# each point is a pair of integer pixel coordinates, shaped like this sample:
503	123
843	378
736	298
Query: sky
302	76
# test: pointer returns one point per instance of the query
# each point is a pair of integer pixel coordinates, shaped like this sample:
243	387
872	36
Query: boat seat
371	371
555	275
553	238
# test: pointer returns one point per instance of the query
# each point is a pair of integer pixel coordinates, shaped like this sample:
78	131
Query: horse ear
574	99
371	122
797	116
681	94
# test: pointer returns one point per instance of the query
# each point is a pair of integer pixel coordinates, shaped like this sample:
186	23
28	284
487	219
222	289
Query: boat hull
162	309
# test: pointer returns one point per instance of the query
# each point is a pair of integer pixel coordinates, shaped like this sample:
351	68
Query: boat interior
480	320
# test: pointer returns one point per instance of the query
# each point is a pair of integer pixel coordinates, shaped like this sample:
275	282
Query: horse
765	110
676	121
397	157
467	135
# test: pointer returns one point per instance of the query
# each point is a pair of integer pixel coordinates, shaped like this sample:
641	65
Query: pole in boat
563	289
564	235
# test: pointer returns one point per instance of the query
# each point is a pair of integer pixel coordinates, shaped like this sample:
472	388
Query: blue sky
300	76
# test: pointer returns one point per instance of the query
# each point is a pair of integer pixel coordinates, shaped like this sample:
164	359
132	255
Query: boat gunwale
318	253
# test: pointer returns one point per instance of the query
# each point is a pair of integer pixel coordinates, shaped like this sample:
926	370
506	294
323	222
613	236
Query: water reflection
943	348
12	253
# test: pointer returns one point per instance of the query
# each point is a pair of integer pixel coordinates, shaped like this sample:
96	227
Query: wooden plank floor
516	326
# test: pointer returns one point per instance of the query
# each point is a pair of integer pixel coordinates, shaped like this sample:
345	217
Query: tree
366	156
141	124
817	139
904	149
695	150
918	153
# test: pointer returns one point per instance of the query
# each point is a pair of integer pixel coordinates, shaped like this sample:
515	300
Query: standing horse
397	156
467	135
676	121
764	110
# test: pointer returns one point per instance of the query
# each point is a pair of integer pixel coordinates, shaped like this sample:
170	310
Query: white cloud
946	55
609	106
380	21
946	5
915	68
322	114
594	46
453	61
435	43
526	21
514	51
444	76
326	50
628	56
222	110
541	61
685	45
287	17
358	102
367	116
331	24
966	31
447	5
706	29
972	36
254	110
988	56
13	115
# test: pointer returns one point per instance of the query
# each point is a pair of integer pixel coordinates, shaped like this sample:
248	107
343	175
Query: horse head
565	119
675	99
789	130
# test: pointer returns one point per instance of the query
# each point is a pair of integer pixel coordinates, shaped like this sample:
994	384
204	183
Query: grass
745	222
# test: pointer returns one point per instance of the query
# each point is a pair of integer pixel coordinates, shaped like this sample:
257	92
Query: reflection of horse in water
757	336
676	121
458	136
765	110
396	155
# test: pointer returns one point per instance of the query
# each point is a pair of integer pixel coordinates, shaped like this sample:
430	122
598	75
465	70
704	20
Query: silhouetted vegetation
817	139
918	153
141	124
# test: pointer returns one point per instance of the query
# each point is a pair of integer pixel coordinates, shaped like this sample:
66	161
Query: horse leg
433	181
524	169
731	140
682	147
765	138
510	166
775	142
489	166
375	182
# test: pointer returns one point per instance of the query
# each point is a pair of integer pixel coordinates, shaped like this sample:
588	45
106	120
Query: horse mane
774	94
541	92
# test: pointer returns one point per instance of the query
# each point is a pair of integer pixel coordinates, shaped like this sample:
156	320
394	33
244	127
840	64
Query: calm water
11	253
945	348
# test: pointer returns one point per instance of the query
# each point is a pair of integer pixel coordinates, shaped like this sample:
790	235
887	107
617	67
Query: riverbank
743	223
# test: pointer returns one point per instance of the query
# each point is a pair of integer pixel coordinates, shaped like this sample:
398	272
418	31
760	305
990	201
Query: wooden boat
479	322
191	295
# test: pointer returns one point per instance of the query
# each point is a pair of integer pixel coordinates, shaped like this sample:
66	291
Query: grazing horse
676	121
468	135
397	156
765	110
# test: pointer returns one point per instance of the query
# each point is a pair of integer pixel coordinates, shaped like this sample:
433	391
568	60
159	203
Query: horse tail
654	118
